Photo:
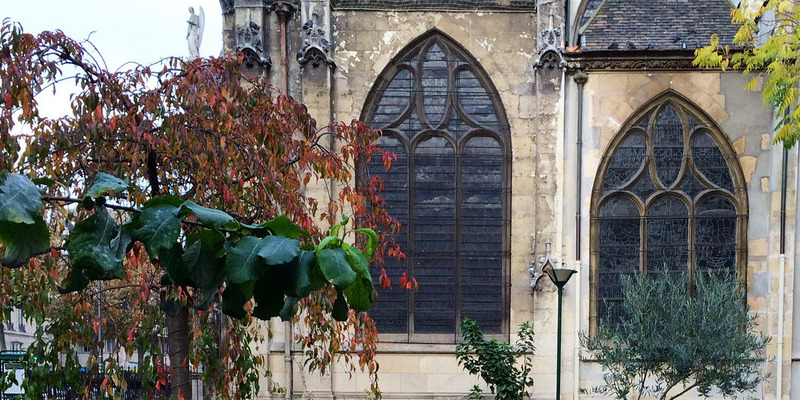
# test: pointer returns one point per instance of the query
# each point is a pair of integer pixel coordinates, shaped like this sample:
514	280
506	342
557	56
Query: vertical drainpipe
566	23
781	278
580	78
284	11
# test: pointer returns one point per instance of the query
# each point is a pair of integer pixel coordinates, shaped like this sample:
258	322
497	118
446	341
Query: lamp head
559	276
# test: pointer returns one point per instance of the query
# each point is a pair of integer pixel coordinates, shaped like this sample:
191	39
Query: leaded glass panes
626	162
435	78
620	229
481	228
667	235
715	234
395	100
474	100
710	161
392	315
668	145
664	205
643	186
690	185
448	192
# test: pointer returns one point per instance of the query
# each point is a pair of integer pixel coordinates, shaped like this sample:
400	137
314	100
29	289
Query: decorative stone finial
248	41
549	43
316	44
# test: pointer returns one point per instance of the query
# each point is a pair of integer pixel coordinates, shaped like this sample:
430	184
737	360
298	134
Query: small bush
670	341
496	362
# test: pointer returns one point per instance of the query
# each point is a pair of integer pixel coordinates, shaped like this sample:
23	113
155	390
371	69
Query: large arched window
448	187
670	196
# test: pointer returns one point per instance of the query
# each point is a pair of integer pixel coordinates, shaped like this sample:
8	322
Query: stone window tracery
670	197
442	117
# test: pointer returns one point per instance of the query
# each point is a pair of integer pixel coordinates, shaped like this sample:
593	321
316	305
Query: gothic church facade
575	133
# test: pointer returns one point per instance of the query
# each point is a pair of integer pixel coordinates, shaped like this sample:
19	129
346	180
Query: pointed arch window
448	187
670	196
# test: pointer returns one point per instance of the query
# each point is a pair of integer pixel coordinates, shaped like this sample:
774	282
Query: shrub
497	362
671	339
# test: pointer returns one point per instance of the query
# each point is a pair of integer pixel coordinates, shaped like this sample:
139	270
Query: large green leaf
20	199
171	261
268	295
104	182
160	227
339	311
22	241
288	310
361	293
283	226
334	265
243	262
169	199
301	283
209	216
123	241
89	246
372	241
278	249
202	258
234	297
75	281
280	226
208	271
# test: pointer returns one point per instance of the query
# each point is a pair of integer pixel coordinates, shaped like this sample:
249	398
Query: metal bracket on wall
537	268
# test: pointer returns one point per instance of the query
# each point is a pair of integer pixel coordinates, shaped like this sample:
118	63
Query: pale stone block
748	164
739	145
764	184
394	363
766	141
438	363
757	247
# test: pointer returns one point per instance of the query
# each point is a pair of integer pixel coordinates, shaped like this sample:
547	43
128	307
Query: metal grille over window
448	187
667	201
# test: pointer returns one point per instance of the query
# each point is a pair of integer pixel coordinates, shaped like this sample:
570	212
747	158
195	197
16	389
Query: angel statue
194	34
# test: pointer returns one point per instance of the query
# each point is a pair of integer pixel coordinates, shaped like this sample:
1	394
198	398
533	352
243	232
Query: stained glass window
669	202
439	113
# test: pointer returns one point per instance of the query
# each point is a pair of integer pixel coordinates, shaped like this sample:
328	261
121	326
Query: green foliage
252	264
104	183
504	367
670	341
766	46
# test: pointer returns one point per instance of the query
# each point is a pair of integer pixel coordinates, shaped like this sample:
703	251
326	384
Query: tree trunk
3	336
178	344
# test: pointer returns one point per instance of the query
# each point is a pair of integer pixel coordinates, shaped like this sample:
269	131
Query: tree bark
3	336
178	344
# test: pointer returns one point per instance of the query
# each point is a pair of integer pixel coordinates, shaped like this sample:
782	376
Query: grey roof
420	5
657	25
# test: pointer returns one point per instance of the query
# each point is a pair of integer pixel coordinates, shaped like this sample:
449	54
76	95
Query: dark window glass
620	229
447	188
668	145
665	206
715	234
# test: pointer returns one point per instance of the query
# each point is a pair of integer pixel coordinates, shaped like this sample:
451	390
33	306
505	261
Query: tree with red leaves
185	185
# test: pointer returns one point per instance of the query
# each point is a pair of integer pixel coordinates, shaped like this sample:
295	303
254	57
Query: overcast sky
143	31
123	30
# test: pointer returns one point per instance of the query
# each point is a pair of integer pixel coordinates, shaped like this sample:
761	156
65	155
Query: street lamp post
560	277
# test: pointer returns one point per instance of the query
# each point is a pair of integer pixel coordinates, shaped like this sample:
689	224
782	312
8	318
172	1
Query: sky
143	31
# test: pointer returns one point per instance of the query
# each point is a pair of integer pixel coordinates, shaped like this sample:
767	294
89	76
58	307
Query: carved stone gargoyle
248	41
316	48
